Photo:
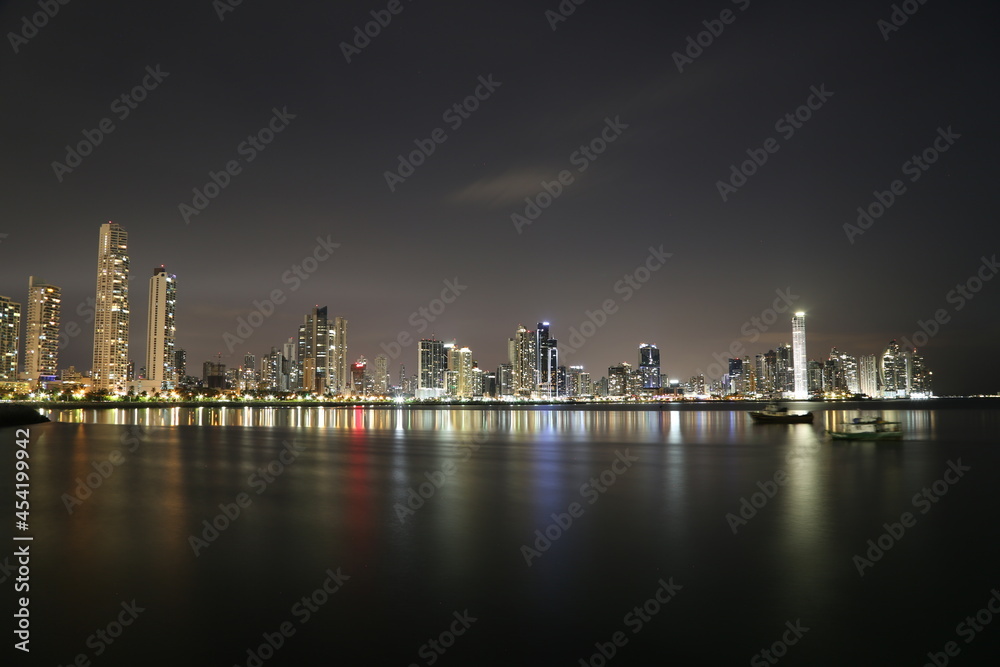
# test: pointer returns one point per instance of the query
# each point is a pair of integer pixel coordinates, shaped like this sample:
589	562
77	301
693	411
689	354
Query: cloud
507	188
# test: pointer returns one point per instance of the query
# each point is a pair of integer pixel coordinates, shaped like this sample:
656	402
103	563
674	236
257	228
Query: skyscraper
525	362
10	331
546	362
340	378
162	331
431	366
649	368
382	374
111	312
41	339
314	350
868	375
800	365
894	371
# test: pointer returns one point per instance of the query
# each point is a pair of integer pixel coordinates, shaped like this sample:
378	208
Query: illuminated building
111	311
162	330
649	368
800	365
546	362
10	330
382	374
525	360
41	339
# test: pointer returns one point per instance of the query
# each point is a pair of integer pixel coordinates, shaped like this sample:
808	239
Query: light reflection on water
513	469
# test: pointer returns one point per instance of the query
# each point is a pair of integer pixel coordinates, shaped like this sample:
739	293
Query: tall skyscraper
431	366
41	339
800	365
649	368
546	362
162	330
340	378
180	364
382	374
868	375
314	350
894	371
10	336
111	312
525	363
466	374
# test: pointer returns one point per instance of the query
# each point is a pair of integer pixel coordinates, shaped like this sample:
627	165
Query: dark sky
654	185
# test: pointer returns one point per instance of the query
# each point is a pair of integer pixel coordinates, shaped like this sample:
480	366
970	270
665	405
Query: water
334	509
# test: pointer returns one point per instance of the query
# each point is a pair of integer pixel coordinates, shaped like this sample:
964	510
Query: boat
775	414
868	428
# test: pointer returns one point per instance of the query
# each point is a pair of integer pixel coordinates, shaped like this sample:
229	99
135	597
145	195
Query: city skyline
683	177
315	360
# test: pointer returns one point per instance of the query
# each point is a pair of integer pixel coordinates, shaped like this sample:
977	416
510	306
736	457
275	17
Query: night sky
607	65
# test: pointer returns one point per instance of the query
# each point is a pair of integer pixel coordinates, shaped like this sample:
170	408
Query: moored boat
774	414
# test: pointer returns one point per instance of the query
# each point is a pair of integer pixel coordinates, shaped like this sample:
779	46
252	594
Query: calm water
342	496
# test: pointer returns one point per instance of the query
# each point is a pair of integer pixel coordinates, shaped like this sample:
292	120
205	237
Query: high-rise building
214	375
41	337
162	330
505	380
735	376
314	351
340	378
111	311
894	371
10	337
649	368
382	375
180	364
619	379
358	369
546	362
525	363
920	377
800	365
868	376
431	366
466	375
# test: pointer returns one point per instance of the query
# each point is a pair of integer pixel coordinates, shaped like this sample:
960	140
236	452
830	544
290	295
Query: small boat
868	428
775	414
